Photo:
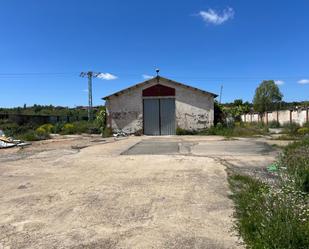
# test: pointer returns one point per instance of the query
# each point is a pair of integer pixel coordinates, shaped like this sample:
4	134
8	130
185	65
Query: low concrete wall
286	116
21	119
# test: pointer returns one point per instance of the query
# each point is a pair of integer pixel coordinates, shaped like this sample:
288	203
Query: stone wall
285	116
194	109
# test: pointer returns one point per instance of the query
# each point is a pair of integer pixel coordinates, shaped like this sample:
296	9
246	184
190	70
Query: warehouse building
158	107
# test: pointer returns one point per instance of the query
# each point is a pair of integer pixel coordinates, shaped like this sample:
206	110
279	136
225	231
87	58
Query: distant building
158	106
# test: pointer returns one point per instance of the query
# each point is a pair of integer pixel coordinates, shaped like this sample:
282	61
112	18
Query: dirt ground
137	192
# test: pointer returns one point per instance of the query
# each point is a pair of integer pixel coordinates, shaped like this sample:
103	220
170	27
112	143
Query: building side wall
194	110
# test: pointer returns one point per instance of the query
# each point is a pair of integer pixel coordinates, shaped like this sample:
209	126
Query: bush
107	132
41	133
58	128
68	129
12	129
87	127
303	131
100	120
183	132
291	128
274	124
49	128
29	136
77	127
239	130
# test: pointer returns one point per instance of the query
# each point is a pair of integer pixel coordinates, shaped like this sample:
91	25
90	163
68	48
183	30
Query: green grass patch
269	218
275	216
233	130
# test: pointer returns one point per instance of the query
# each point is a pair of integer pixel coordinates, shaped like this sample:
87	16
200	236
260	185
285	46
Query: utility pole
221	94
89	75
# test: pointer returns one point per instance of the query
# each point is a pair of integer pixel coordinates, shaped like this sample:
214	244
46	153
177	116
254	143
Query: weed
291	128
275	216
181	132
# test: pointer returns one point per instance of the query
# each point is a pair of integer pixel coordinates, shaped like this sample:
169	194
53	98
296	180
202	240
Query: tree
267	97
235	109
219	115
101	119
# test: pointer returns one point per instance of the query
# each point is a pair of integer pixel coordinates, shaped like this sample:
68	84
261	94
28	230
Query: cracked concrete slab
98	198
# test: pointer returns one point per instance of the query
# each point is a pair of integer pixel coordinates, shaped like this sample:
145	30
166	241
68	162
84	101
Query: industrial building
159	106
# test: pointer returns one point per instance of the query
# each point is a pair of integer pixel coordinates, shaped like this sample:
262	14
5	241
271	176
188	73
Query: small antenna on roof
157	71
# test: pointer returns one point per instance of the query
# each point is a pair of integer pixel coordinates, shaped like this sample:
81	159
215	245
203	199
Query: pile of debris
9	142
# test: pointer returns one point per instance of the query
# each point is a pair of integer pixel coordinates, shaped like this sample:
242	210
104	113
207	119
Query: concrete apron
141	192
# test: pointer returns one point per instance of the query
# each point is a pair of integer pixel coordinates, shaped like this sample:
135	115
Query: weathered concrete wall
125	112
286	116
194	110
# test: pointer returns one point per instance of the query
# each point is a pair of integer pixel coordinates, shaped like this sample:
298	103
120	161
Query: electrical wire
76	74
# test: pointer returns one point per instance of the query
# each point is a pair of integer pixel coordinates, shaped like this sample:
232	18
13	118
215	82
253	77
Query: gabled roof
159	77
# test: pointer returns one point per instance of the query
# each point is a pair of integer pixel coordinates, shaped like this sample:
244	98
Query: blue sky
45	44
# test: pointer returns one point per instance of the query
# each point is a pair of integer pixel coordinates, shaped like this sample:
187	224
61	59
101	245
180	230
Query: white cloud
213	17
107	76
279	82
303	81
147	77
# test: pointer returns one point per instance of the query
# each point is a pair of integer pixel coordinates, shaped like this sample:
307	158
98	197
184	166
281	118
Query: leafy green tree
236	109
267	97
101	119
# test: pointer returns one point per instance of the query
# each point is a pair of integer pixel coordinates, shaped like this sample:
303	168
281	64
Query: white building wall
297	116
125	112
194	110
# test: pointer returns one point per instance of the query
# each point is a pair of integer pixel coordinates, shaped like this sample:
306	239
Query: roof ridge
158	77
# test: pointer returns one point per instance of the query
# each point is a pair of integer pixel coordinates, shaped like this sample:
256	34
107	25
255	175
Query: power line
134	76
172	75
38	73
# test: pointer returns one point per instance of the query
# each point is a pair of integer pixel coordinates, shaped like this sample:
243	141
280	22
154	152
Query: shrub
41	133
291	128
274	124
107	132
303	131
183	132
238	124
68	129
49	128
100	120
77	127
86	127
241	130
29	136
58	128
12	129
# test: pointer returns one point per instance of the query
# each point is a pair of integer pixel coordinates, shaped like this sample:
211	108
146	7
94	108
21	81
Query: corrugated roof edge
147	81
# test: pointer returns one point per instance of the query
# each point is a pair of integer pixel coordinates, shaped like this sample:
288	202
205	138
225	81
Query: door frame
159	98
